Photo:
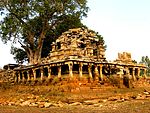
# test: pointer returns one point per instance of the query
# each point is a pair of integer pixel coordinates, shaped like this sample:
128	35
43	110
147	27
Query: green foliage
28	21
22	16
146	61
71	21
134	61
19	55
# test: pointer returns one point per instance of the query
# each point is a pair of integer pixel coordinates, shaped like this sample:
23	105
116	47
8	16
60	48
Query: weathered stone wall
6	76
79	43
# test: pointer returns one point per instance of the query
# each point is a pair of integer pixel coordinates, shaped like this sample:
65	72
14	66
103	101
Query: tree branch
15	15
23	46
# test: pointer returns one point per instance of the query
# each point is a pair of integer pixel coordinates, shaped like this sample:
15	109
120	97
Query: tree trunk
34	57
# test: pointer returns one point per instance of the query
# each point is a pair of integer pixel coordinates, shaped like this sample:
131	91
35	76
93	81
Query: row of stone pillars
133	71
137	73
31	74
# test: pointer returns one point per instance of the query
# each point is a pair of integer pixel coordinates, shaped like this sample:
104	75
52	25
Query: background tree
29	21
146	61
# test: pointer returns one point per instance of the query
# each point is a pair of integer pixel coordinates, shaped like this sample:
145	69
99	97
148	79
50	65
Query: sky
124	24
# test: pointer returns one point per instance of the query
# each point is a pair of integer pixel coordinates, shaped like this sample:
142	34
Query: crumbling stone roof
79	44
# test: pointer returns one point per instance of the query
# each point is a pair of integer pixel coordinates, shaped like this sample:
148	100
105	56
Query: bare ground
140	106
75	94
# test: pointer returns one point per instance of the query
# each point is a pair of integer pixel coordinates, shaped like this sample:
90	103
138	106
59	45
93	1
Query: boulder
47	104
75	104
25	103
91	102
114	98
33	105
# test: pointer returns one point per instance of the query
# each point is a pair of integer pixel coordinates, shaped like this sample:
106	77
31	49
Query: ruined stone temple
76	53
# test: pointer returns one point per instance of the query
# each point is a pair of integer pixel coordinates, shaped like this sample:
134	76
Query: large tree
72	21
28	21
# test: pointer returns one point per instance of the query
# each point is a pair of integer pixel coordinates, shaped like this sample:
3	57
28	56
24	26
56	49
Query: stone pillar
23	77
80	70
49	72
101	75
70	70
145	74
28	75
34	74
133	74
42	73
127	78
19	76
15	76
138	72
127	71
59	72
89	70
96	72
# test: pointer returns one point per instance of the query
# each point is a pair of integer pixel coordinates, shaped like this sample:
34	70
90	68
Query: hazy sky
124	24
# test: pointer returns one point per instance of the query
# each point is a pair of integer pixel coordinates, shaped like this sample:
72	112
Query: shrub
115	80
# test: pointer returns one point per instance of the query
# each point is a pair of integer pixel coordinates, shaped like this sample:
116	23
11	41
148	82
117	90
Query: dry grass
65	92
72	92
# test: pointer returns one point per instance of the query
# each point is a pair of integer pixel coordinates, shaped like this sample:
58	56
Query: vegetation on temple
29	21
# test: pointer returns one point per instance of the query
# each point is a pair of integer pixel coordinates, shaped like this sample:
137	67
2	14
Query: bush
55	80
115	80
5	85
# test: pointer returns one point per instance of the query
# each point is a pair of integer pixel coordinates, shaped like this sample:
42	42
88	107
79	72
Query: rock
98	105
75	104
25	103
33	105
5	103
133	96
60	104
91	102
126	98
145	90
17	103
113	98
47	104
56	105
41	106
146	93
148	96
141	97
121	100
105	100
21	100
11	103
